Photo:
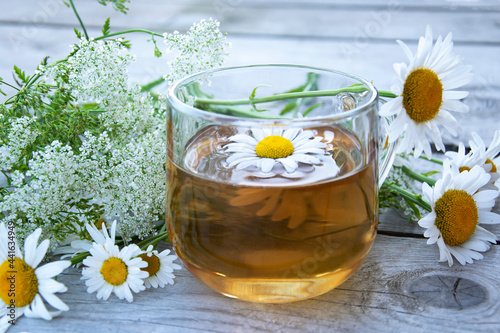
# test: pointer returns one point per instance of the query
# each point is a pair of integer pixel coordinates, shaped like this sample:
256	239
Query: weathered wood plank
390	291
372	61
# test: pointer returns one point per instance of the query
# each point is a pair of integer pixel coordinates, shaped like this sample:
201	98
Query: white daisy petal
266	164
289	164
30	245
455	94
391	107
456	106
55	301
246	139
488	217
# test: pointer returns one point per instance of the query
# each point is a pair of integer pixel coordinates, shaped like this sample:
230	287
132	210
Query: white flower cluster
118	172
20	136
97	72
135	188
203	47
129	183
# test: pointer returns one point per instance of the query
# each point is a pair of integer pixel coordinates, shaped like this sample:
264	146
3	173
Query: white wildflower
20	136
203	47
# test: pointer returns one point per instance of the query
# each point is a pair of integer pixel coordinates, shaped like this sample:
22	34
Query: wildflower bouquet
82	149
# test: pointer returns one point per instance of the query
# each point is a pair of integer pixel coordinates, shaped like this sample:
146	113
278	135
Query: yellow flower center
274	146
493	166
422	95
114	271
18	283
99	223
456	216
463	168
153	264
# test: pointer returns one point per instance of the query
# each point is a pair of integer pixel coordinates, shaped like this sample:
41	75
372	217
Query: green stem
434	160
278	97
128	32
79	19
79	258
387	93
153	240
416	199
151	85
10	85
418	176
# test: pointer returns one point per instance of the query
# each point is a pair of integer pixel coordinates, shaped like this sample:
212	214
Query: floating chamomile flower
22	284
265	148
160	267
110	270
457	210
425	95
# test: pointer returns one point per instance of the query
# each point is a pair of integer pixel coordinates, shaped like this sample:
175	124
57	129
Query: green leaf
21	74
255	90
105	27
311	108
78	33
1	92
125	43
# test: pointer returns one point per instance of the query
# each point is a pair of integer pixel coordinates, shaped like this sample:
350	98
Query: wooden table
400	287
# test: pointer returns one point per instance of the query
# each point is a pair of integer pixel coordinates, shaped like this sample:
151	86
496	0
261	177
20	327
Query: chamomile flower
111	270
23	285
78	245
492	162
478	155
457	210
426	96
160	267
265	148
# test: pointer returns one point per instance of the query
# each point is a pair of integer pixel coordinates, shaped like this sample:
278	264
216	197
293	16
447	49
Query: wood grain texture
380	295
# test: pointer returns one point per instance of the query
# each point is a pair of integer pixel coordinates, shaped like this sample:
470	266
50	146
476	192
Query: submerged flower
457	210
267	147
22	284
425	95
160	267
110	270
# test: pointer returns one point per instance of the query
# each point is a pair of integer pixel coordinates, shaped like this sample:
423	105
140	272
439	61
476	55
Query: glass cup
294	218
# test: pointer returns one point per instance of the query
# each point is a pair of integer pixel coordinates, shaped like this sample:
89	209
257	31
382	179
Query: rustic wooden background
401	287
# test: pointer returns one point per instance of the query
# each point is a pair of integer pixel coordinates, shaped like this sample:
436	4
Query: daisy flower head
490	155
265	148
458	209
24	285
78	245
111	270
479	155
160	267
425	95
